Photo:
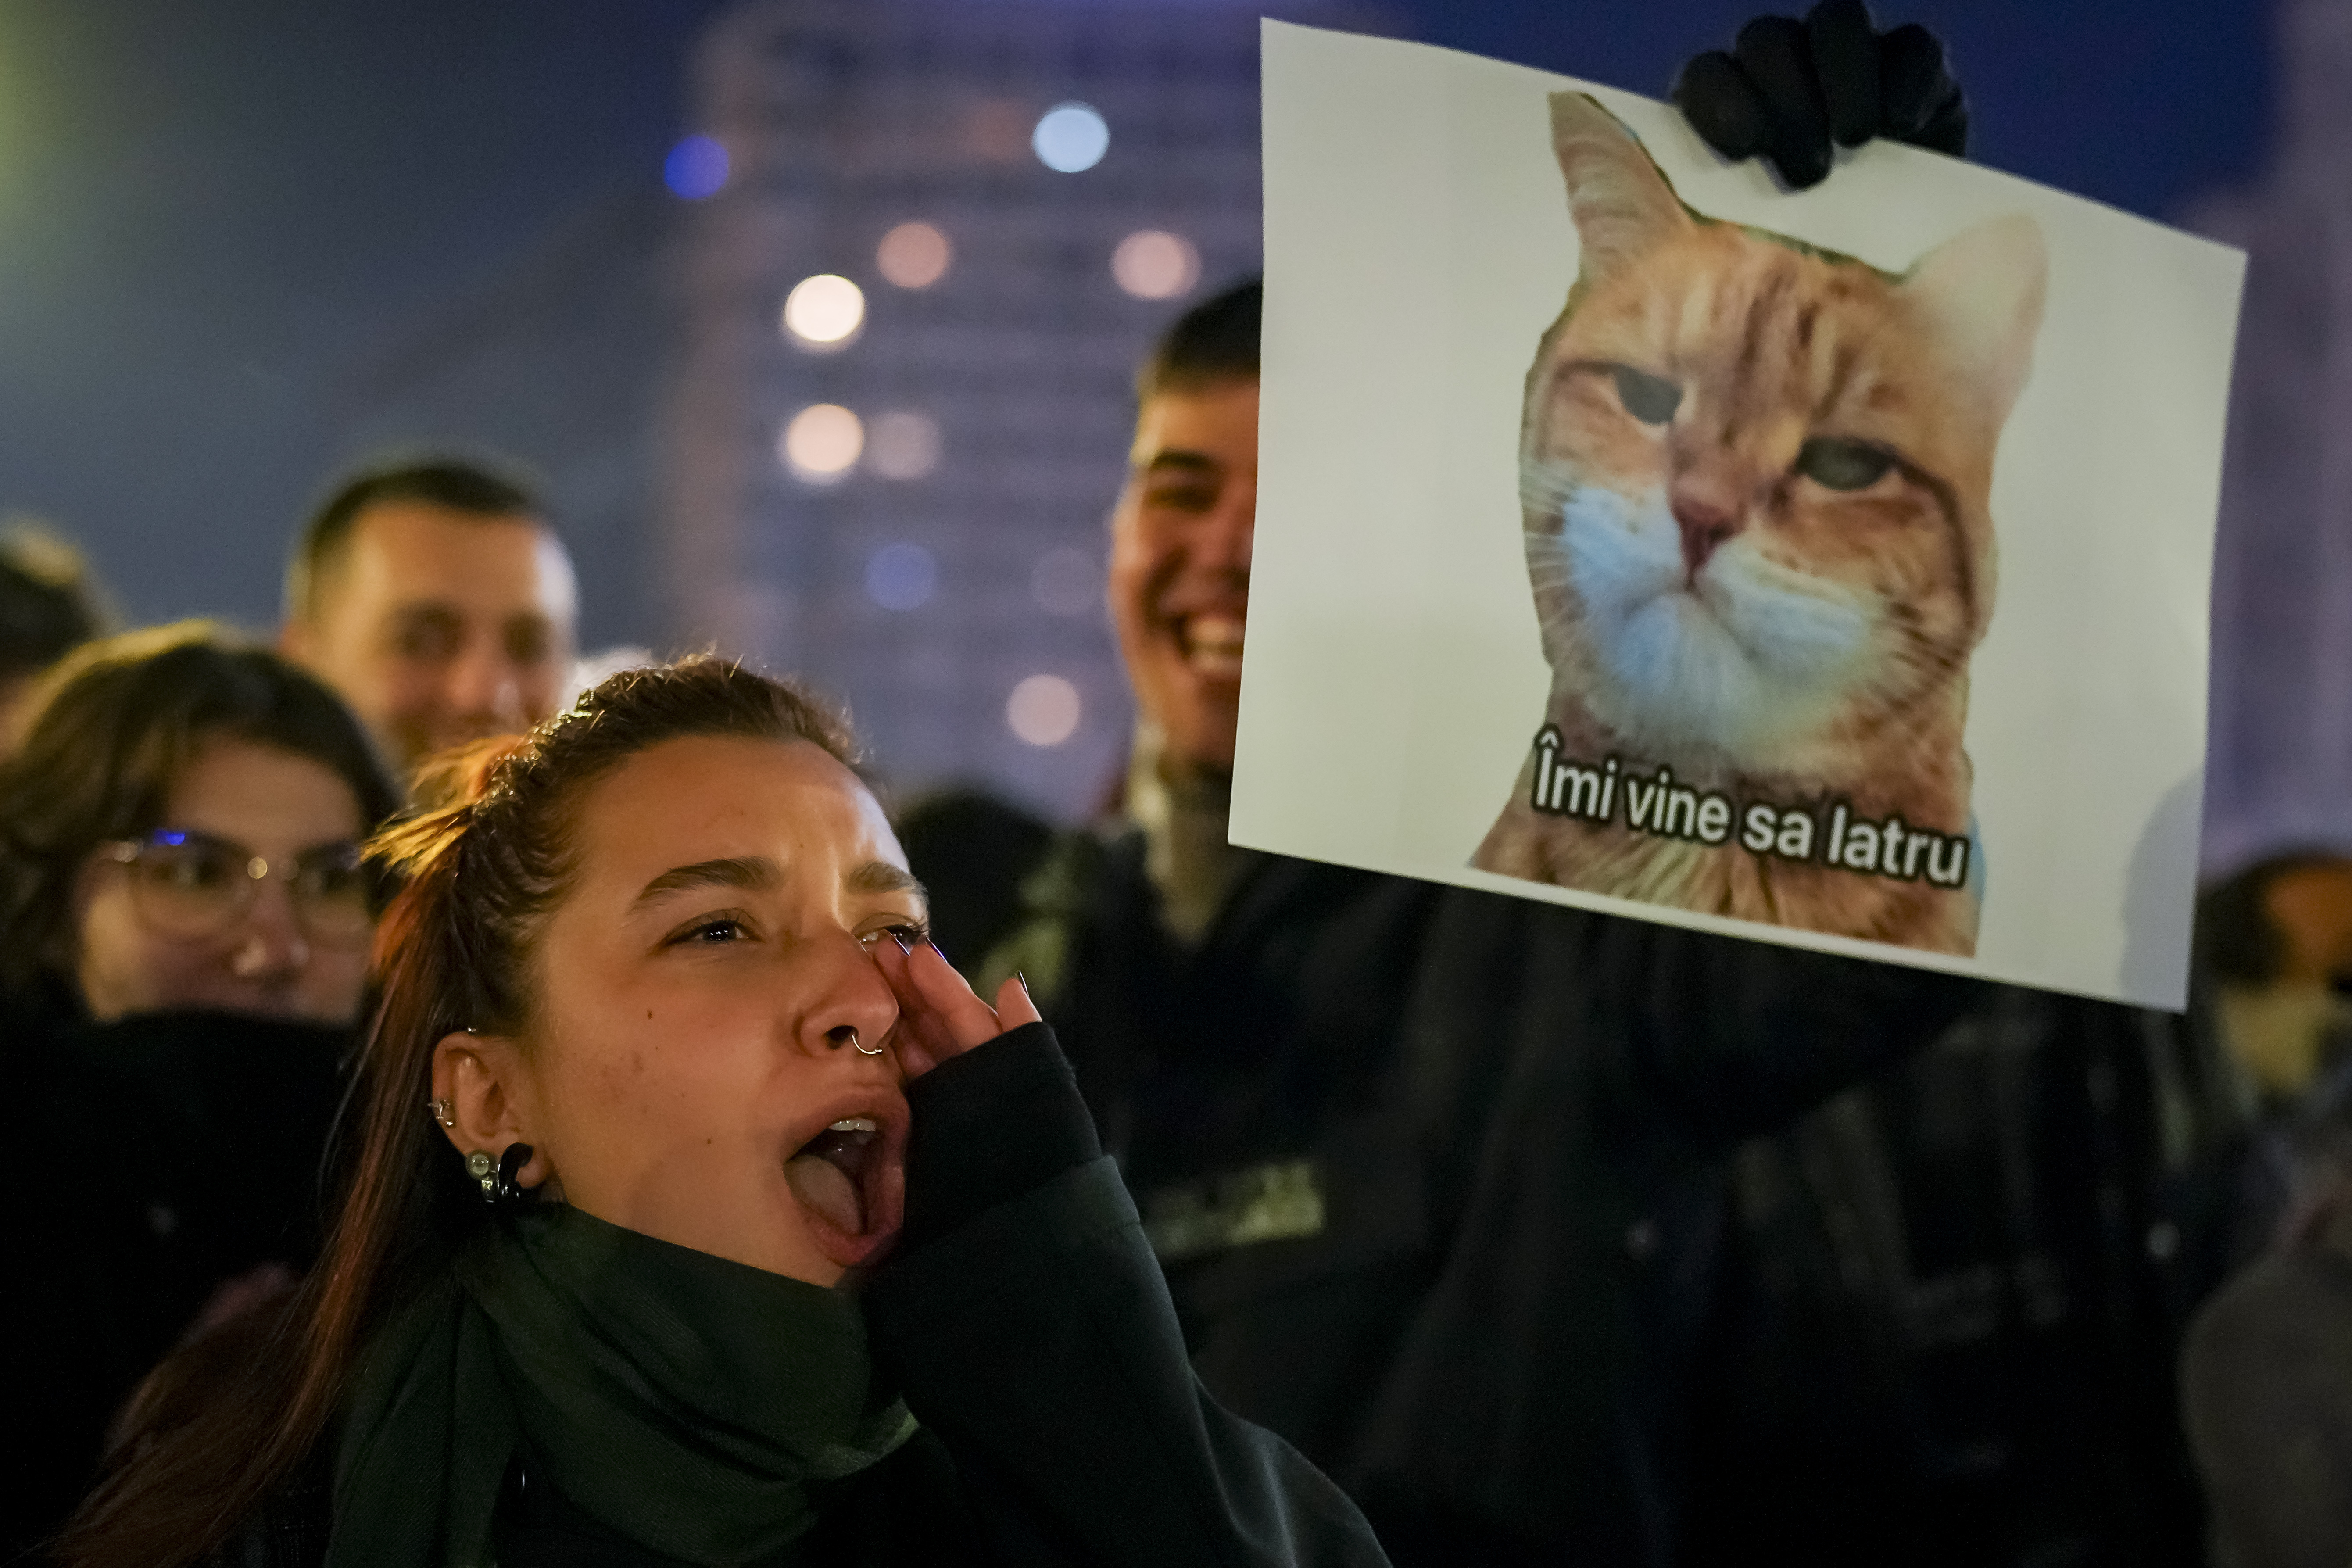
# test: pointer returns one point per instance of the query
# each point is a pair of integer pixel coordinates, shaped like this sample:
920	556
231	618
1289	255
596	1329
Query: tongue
826	1188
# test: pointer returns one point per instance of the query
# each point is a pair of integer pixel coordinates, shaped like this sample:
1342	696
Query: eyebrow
1187	462
750	871
881	876
757	871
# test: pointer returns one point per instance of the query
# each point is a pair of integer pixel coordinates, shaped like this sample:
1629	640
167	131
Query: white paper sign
1832	569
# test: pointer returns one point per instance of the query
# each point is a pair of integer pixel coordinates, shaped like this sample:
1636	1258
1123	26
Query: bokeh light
1044	711
903	444
914	255
901	577
695	168
1152	264
1070	138
1067	583
825	311
821	442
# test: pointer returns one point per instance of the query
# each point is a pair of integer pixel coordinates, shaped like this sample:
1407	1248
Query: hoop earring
505	1191
500	1188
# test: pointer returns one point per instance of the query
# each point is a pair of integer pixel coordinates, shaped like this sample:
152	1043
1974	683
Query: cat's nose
1706	521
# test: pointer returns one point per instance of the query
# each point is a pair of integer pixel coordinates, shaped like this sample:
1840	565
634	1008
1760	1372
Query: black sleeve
1034	1338
1738	1037
990	1125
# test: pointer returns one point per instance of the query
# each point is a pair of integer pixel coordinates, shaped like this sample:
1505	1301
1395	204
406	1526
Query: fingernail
904	947
1024	982
943	957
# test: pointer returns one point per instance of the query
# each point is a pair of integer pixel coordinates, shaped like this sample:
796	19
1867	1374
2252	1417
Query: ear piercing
500	1188
444	1111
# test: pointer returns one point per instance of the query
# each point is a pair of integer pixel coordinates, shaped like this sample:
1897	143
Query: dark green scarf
683	1401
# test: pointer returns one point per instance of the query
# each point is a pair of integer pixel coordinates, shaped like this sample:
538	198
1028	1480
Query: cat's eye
1842	465
1650	399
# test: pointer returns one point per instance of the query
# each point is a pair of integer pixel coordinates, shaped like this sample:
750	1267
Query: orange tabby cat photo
1755	481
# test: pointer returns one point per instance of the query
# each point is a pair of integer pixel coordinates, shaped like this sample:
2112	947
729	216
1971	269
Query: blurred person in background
2274	940
184	930
2267	1380
50	605
437	598
2267	1372
795	1251
1437	1176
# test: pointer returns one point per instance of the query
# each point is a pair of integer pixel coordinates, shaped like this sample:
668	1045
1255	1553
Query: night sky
213	216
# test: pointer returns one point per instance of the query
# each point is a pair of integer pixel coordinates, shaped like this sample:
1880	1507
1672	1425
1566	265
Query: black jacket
1437	1176
1950	1300
150	1163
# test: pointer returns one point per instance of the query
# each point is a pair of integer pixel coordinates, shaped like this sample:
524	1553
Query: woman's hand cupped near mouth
939	1014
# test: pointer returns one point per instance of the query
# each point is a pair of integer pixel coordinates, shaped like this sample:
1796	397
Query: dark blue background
212	217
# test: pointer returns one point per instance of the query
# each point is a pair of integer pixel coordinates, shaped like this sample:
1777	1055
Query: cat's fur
1772	634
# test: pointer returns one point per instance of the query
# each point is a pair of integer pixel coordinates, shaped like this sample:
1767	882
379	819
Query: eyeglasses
194	885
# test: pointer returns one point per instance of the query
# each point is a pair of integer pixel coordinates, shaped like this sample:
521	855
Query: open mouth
839	1178
1212	645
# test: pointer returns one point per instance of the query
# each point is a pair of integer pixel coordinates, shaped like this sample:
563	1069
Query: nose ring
855	1045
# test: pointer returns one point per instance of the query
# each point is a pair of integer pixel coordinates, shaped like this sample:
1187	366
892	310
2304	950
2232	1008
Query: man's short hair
49	604
456	485
1215	341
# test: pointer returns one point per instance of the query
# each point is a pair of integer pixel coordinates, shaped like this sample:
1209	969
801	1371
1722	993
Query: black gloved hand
1789	89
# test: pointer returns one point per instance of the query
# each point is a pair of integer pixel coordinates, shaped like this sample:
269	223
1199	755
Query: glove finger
1723	105
1845	60
1947	129
1772	51
1913	82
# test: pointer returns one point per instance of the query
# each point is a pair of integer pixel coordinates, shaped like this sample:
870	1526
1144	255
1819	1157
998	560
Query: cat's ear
1622	205
1982	293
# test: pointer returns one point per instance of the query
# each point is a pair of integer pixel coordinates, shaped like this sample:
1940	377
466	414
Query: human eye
721	928
194	865
1189	499
335	872
428	639
528	641
911	931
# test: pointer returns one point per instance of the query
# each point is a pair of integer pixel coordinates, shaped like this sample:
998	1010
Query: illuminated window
823	312
1042	710
695	168
821	442
1153	265
1070	138
914	255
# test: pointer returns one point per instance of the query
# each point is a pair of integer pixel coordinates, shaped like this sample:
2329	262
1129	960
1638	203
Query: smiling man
436	600
1180	571
1180	539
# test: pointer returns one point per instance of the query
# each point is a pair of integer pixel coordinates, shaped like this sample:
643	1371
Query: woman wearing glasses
183	933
